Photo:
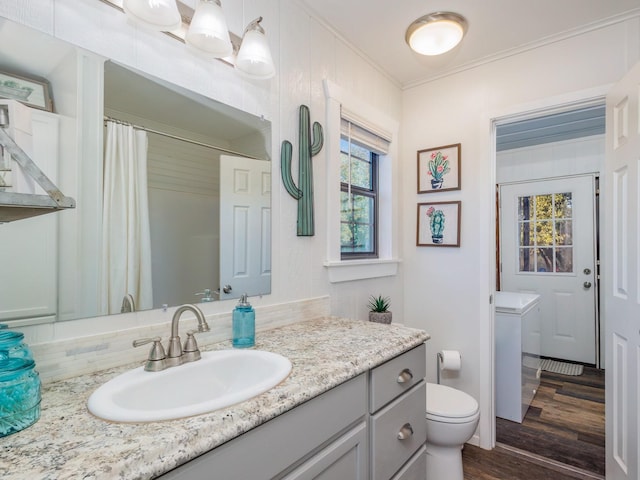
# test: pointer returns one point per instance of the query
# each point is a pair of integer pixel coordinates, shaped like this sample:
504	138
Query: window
545	233
362	198
358	200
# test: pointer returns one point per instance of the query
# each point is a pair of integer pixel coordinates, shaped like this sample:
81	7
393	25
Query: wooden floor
565	423
502	464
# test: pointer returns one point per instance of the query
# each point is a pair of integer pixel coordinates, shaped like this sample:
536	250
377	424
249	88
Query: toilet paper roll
450	360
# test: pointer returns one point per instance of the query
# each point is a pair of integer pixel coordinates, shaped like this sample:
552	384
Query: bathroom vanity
352	408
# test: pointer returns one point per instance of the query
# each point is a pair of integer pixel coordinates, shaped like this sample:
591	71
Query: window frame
339	270
371	193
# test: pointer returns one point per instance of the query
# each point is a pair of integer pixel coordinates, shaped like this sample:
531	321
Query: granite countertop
69	443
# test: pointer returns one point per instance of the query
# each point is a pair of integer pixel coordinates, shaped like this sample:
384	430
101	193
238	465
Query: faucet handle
156	358
191	352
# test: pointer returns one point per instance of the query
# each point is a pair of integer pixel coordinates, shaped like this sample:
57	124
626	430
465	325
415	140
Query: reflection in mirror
204	233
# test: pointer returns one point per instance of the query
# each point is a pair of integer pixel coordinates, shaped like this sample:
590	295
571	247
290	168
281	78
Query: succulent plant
379	303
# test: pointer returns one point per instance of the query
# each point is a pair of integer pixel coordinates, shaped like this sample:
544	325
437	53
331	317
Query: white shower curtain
126	244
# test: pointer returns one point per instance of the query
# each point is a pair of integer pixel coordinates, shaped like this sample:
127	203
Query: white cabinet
517	353
370	427
29	247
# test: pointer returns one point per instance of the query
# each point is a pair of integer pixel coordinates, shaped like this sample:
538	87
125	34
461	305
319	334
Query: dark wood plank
497	464
565	422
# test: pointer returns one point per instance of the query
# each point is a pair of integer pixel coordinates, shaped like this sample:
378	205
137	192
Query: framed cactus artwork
439	169
438	224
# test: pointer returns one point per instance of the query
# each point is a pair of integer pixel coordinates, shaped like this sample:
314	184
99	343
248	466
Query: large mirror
173	208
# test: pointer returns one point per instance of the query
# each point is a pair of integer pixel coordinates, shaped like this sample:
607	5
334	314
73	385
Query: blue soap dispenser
244	324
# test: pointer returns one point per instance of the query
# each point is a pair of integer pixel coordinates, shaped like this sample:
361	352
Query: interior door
621	268
548	248
245	219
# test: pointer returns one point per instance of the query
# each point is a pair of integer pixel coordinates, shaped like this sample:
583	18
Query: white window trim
388	216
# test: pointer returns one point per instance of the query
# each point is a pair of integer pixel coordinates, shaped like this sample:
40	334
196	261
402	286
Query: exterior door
245	219
621	268
548	248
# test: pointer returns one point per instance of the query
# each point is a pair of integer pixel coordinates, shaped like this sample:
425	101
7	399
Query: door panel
620	276
548	247
245	219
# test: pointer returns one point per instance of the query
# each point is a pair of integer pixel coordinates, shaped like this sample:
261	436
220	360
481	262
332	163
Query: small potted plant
379	309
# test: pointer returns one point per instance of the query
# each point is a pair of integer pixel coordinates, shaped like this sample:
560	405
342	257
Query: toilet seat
448	405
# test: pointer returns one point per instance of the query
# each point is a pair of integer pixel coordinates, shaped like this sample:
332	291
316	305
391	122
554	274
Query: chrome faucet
176	355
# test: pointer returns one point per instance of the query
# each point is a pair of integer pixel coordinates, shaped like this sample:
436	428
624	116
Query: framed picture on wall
438	224
31	92
439	168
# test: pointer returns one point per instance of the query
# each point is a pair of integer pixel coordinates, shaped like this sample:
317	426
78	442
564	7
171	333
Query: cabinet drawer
389	452
396	376
414	469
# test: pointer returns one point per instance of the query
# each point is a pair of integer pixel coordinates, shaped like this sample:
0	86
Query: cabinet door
344	459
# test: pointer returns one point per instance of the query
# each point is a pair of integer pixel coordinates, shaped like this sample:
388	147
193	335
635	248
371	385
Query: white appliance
517	353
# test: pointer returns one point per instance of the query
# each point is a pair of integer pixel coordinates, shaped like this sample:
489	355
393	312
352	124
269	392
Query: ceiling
497	28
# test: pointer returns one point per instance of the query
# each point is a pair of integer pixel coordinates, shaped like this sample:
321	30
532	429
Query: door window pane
525	208
564	260
527	235
527	260
545	226
564	232
544	260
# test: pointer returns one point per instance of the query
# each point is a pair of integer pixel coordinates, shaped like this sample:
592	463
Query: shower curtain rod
182	139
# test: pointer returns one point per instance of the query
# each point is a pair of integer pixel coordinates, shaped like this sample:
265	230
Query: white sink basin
219	379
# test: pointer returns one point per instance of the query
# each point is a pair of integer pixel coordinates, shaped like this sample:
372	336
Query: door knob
586	284
227	289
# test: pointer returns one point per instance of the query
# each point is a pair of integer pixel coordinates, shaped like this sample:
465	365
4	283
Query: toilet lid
447	402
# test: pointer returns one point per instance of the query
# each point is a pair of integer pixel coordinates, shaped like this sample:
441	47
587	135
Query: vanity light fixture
254	57
205	29
208	31
160	15
436	33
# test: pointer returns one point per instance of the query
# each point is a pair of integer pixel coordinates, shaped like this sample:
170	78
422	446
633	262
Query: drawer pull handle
405	432
405	376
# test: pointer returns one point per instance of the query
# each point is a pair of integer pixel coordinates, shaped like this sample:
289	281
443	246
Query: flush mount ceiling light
254	57
160	15
436	33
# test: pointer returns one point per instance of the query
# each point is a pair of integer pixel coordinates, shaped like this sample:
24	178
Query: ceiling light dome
436	33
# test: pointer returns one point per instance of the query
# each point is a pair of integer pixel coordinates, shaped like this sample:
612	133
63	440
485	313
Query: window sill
348	270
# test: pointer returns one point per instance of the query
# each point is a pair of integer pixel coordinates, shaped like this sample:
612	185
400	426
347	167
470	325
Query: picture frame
29	91
438	224
439	168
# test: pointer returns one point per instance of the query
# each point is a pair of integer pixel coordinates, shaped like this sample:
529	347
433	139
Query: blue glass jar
12	346
243	324
19	395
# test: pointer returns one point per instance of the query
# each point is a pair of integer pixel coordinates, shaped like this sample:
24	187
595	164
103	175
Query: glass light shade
160	15
254	58
208	31
436	33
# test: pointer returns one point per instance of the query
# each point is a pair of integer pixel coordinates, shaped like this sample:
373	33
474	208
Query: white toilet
452	418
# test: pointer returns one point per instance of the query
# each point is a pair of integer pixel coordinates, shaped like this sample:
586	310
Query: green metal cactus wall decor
307	148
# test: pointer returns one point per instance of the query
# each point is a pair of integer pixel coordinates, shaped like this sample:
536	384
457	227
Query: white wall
305	52
548	160
447	290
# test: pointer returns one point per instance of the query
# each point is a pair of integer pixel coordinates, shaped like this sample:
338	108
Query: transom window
545	231
358	200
